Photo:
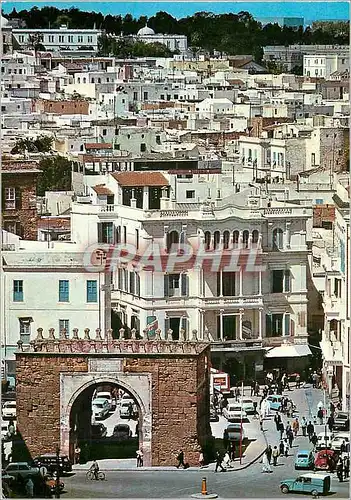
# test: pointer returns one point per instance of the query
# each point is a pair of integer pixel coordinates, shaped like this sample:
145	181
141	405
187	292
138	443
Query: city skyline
310	11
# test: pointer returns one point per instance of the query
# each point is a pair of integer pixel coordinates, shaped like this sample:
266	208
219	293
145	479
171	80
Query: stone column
250	240
109	334
146	198
287	234
75	334
40	334
240	242
221	324
194	336
221	283
158	334
86	334
241	282
98	334
51	333
169	334
241	311
260	333
133	332
121	334
182	335
259	282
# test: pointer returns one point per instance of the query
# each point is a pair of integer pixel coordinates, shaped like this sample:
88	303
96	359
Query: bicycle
91	475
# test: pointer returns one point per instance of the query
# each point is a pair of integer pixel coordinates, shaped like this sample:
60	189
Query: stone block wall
180	394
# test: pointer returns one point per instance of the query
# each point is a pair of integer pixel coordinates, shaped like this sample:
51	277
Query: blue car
304	460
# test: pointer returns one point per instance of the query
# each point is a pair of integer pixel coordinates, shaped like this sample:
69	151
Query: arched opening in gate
105	422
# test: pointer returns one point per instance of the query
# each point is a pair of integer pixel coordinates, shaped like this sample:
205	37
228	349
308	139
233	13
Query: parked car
342	422
100	407
214	417
51	484
304	460
338	439
49	461
23	469
324	440
98	431
107	395
234	432
124	408
325	458
316	484
122	432
9	410
248	406
234	413
275	401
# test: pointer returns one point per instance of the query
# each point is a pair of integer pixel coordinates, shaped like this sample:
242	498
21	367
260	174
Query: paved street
247	483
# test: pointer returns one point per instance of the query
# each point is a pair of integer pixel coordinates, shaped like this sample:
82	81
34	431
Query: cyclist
95	469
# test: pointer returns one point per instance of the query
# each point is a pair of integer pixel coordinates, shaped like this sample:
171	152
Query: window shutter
287	281
167	324
287	324
18	198
182	237
184	284
184	323
137	287
166	285
219	284
268	325
99	232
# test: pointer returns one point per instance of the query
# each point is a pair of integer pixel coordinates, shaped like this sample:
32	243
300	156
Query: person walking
340	470
320	415
269	453
277	420
286	448
225	439
275	455
290	438
77	455
201	459
232	451
330	423
298	381
266	466
310	430
219	462
281	429
296	426
287	429
257	389
140	458
347	466
252	385
180	458
281	448
30	487
314	440
314	380
303	426
343	447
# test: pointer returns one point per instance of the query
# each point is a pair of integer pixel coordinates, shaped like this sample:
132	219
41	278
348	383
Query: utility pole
241	423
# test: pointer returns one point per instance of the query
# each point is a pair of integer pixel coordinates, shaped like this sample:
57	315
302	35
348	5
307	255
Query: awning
289	351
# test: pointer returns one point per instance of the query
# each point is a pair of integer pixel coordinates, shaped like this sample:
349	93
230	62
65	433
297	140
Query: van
316	484
235	431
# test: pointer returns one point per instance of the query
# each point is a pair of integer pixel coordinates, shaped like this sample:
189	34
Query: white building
237	309
322	66
60	39
172	42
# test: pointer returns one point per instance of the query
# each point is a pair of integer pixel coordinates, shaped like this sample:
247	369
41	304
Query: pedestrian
275	455
252	385
303	426
237	393
286	447
180	458
225	439
330	423
269	453
340	470
261	422
289	408
347	466
343	447
130	410
310	430
266	466
290	438
298	381
223	404
287	429
281	448
281	429
314	380
277	420
314	440
257	389
201	459
219	462
140	458
332	408
226	459
296	426
232	451
255	409
30	488
320	416
77	455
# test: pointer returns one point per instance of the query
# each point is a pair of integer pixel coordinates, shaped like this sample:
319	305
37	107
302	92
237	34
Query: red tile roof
102	189
63	223
19	166
136	179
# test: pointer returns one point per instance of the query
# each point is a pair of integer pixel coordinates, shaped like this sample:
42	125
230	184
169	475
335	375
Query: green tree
56	175
42	144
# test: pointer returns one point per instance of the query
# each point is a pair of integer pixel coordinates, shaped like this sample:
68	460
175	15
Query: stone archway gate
168	379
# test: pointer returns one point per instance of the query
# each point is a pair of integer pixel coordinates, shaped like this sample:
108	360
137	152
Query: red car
326	460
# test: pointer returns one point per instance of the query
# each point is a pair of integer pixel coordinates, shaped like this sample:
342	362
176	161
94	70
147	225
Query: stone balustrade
104	343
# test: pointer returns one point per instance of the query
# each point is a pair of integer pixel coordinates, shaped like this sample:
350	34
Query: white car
234	413
100	407
338	439
124	407
110	399
324	440
9	410
248	406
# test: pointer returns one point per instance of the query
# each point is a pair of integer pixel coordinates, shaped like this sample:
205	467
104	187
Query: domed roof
4	22
146	31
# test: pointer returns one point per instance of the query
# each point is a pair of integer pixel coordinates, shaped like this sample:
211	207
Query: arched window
207	240
235	239
84	80
255	237
216	239
226	240
277	239
172	241
78	80
246	239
